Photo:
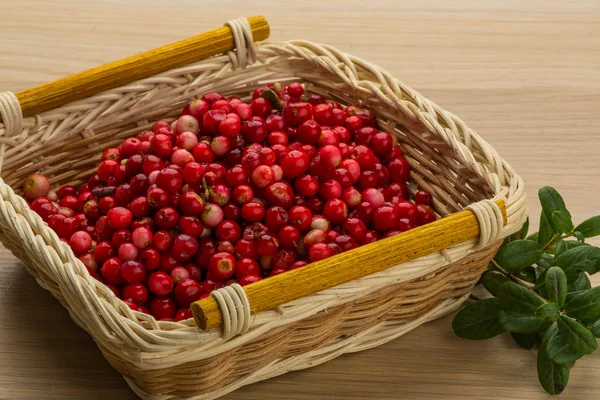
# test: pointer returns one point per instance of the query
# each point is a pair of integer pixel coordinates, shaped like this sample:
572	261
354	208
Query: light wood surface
522	73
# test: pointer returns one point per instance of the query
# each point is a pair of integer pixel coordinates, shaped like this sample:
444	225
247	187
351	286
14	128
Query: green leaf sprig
541	293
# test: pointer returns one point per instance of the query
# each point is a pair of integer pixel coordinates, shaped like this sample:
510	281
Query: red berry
385	218
150	258
106	169
425	214
314	236
127	252
267	245
212	215
254	130
370	237
399	170
295	89
162	307
260	107
103	251
309	132
323	114
262	176
364	157
319	251
279	194
160	283
161	146
228	230
288	237
246	280
345	242
184	247
222	265
300	217
202	153
423	197
178	274
355	228
230	127
80	242
67	190
191	204
111	271
187	292
296	113
119	218
330	189
166	218
212	119
169	180
136	293
294	164
306	185
245	267
331	156
253	212
352	197
336	211
133	271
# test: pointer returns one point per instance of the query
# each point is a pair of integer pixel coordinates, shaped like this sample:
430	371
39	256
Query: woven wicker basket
168	360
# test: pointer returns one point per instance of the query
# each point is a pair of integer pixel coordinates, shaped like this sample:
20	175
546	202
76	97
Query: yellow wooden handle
118	73
345	267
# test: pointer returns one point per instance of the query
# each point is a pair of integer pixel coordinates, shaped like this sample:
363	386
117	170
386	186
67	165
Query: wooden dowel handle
118	73
345	267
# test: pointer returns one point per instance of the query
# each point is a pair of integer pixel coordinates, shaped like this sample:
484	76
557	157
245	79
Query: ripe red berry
252	212
166	218
169	180
119	218
336	211
355	228
385	218
300	217
331	156
279	194
296	113
330	189
262	176
187	292
294	164
319	251
127	252
245	267
246	280
80	242
399	170
160	283
222	265
111	271
136	293
288	237
425	214
133	271
423	197
162	307
267	245
254	130
309	132
150	258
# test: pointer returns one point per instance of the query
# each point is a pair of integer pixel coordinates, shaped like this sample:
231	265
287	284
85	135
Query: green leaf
590	227
521	234
546	232
596	329
551	201
581	283
562	221
578	259
526	274
579	236
585	304
518	299
557	347
553	377
492	280
548	310
533	237
519	323
577	335
573	243
272	98
478	320
556	285
518	255
526	340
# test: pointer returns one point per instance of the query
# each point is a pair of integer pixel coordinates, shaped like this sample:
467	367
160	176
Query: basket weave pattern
167	360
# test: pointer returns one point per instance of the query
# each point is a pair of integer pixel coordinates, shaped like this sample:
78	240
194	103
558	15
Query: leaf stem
521	282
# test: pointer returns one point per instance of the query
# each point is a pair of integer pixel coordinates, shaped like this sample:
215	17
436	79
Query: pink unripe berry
141	237
35	186
128	252
181	157
187	140
187	123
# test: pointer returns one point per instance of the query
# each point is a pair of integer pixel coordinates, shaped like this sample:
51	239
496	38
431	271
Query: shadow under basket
170	360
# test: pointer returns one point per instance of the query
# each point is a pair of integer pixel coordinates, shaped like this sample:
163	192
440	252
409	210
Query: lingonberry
161	146
345	242
315	99
191	204
309	132
248	279
370	237
160	283
352	197
295	89
226	247
296	113
220	146
110	271
330	189
136	293
300	217
127	252
157	198
335	211
244	111
150	258
181	157
169	180
212	215
364	157
230	127
267	245
323	114
319	251
44	208
133	271
187	292
187	123
254	130
139	207
306	185
260	107
355	228
283	259
91	210
373	197
103	251
218	170
119	217
194	271
66	190
331	156
385	218
246	248
314	236
121	237
228	230
129	147
314	204
252	212
123	195
408	211
202	153
222	105
190	225
166	218
246	266
162	307
399	170
80	242
222	265
425	214
184	247
423	197
279	194
288	237
105	170
103	229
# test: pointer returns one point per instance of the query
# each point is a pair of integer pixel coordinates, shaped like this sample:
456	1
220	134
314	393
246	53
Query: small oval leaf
577	335
596	329
548	310
585	304
590	227
492	280
526	340
558	349
518	255
272	98
556	285
519	323
518	299
581	283
562	221
553	377
478	320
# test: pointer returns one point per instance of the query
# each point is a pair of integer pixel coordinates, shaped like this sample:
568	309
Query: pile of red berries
232	192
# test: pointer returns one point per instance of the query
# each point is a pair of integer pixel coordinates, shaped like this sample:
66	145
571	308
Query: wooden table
522	73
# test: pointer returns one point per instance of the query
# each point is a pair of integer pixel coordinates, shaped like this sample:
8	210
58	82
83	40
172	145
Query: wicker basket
167	360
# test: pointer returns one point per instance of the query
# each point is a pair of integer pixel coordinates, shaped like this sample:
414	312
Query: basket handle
484	219
118	73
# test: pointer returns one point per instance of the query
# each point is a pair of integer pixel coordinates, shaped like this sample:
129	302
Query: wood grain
122	72
360	262
522	73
